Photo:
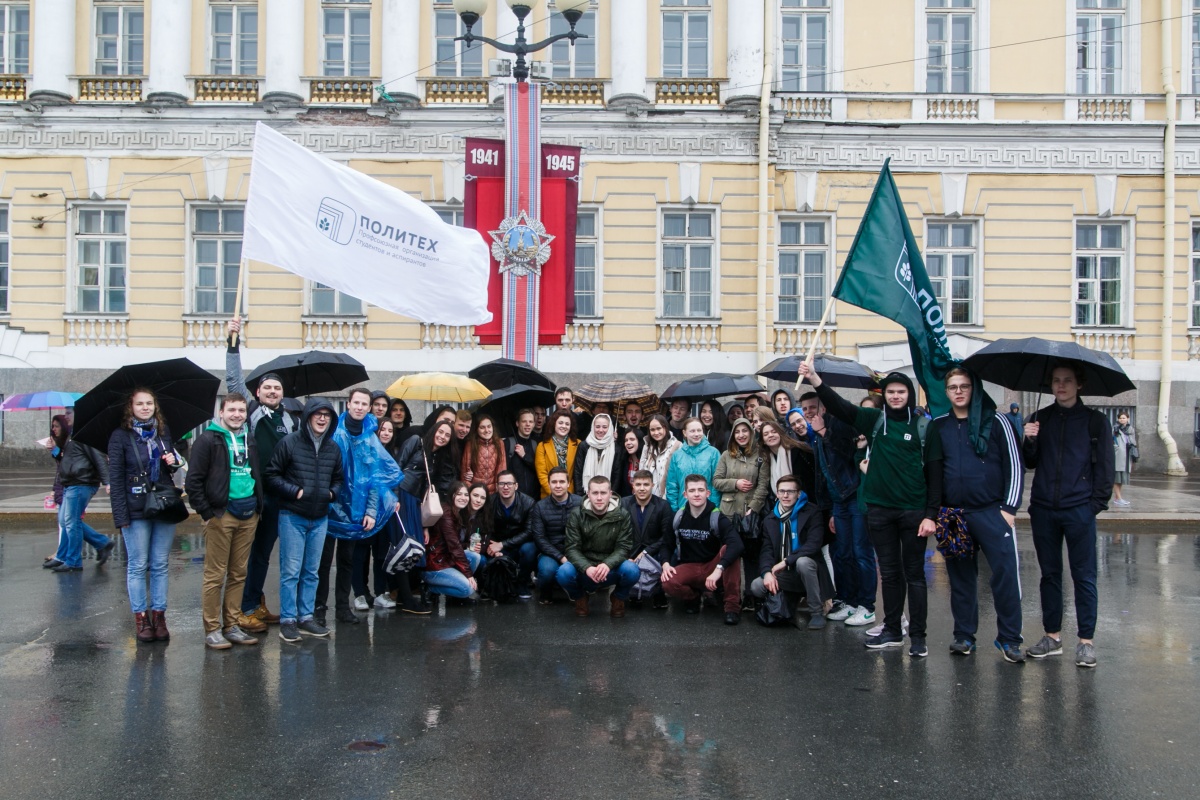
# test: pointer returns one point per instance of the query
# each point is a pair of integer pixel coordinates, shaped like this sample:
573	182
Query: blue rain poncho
368	475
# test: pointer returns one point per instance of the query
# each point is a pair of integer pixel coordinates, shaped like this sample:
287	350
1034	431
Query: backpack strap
922	432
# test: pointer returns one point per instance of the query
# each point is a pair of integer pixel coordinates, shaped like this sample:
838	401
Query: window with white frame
1099	273
454	59
950	38
1099	46
1195	46
1194	318
685	34
234	44
587	247
951	256
324	301
803	260
14	38
120	39
346	38
573	60
3	259
687	262
216	259
804	45
101	259
451	216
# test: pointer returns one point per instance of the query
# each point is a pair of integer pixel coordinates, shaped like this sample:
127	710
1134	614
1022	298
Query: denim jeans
75	530
547	568
853	556
451	582
301	541
265	536
147	548
575	583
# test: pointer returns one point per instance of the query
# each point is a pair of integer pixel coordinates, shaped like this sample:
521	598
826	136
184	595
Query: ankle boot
616	608
581	606
160	626
142	627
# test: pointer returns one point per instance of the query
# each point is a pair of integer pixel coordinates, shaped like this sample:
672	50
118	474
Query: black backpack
499	579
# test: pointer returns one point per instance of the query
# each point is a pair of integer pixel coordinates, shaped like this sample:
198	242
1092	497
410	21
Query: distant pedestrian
1124	455
82	470
1016	421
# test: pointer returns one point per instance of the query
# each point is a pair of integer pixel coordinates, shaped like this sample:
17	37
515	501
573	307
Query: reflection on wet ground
526	701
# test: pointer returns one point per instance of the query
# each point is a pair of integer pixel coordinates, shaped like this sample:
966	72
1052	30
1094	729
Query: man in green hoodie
598	540
225	488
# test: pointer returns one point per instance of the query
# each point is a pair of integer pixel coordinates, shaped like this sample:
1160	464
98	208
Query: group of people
779	506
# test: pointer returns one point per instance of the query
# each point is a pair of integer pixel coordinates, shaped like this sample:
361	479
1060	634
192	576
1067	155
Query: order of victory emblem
521	245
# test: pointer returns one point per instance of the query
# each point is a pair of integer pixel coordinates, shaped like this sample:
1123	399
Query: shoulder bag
431	506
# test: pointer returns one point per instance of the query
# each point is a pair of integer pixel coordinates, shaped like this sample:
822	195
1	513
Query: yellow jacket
545	459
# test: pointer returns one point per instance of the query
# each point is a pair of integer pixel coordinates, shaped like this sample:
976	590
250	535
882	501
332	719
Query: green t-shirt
241	478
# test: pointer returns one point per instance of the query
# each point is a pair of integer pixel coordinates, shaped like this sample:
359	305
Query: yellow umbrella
438	387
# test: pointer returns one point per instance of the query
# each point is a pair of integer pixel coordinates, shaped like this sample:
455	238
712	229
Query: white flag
328	223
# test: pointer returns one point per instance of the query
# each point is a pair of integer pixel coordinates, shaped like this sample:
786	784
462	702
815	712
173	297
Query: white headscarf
600	453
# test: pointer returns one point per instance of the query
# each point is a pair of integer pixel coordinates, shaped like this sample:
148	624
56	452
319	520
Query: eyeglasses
959	387
787	492
507	483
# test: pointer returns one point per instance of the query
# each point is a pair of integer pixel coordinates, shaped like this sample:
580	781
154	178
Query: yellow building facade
1028	139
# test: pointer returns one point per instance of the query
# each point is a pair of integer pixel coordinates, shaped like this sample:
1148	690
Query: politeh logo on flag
328	223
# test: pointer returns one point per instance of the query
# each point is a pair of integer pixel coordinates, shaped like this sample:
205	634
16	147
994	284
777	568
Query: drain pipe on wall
764	185
1174	463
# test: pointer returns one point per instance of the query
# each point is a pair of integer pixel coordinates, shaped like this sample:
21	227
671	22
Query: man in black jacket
651	517
510	530
225	487
1071	448
306	467
519	450
548	526
82	471
790	559
701	552
268	422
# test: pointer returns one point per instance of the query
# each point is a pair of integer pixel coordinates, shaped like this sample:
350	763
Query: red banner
484	209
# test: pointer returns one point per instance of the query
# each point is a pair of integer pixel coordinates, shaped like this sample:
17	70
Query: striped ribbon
522	193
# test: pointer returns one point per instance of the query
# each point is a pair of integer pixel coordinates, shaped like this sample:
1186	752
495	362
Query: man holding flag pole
884	273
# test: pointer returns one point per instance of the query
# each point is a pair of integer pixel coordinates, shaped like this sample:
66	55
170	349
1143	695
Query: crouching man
702	552
790	560
599	538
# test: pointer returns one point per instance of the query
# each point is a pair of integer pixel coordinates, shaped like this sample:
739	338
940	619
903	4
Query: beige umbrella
438	387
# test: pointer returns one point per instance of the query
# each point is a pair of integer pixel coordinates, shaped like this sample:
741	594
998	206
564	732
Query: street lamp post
521	245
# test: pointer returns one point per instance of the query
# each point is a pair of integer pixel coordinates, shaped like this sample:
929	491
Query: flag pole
237	300
816	337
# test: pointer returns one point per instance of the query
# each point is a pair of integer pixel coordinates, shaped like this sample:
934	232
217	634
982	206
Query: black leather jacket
82	466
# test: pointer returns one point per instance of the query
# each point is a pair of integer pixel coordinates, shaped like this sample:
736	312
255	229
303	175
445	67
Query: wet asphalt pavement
526	701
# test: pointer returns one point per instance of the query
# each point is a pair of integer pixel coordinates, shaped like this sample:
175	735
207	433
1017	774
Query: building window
687	258
950	37
14	38
587	246
805	45
455	59
101	259
1195	292
451	216
1099	36
685	39
3	259
1099	267
346	39
573	60
120	39
803	267
217	250
1195	46
234	39
324	301
951	253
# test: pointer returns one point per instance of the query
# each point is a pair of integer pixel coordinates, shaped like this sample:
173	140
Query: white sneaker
383	601
878	629
861	617
360	604
841	614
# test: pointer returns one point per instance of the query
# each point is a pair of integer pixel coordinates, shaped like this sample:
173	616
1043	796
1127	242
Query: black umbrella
714	384
1026	364
186	396
845	373
502	373
308	373
504	404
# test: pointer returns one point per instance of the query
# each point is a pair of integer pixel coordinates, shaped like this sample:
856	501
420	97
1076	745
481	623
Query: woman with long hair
716	424
451	569
80	473
483	454
558	448
629	461
786	456
141	456
422	459
597	454
660	445
741	478
477	527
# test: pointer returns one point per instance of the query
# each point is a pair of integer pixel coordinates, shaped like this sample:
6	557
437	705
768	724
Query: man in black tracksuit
896	491
1070	446
982	478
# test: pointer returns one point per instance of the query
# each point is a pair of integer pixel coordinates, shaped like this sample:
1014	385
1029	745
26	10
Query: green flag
884	273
